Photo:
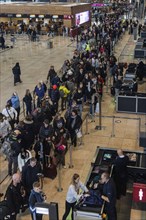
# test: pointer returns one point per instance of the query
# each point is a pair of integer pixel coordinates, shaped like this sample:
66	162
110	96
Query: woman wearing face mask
73	194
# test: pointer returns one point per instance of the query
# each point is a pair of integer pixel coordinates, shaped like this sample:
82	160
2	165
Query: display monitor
82	17
107	156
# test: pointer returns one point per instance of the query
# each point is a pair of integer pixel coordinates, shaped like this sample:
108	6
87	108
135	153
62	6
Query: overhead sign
139	192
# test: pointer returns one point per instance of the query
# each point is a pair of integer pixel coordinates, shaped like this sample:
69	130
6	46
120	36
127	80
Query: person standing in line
72	194
73	125
109	196
28	102
10	113
16	104
15	195
120	173
64	92
2	41
36	195
16	72
5	127
29	174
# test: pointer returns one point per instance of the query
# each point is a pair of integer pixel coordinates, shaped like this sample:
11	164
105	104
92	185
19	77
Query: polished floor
35	59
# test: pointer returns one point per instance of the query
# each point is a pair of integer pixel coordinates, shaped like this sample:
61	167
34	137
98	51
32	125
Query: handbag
79	134
97	108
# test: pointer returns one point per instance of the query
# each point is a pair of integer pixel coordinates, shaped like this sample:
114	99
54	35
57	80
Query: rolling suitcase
49	168
112	90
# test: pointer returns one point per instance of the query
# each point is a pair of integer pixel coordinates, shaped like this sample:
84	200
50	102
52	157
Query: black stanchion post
23	109
113	127
59	168
70	155
87	132
99	127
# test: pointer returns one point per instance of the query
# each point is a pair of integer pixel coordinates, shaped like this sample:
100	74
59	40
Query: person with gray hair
109	195
120	173
14	195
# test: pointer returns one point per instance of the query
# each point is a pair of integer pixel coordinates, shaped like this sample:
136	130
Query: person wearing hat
55	96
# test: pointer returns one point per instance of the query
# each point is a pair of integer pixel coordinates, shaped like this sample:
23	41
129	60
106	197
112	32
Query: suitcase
112	90
50	169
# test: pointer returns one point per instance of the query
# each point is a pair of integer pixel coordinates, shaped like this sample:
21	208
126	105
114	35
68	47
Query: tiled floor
35	59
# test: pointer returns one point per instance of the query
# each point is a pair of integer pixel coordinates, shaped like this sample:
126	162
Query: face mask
94	81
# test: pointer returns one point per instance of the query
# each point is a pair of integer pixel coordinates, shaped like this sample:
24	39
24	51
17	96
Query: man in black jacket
15	143
120	173
14	195
55	96
109	196
51	74
73	125
29	174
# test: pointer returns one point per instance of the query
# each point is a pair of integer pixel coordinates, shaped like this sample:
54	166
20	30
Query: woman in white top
73	195
23	157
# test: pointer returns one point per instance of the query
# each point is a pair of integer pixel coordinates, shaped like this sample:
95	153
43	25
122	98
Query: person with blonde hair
73	194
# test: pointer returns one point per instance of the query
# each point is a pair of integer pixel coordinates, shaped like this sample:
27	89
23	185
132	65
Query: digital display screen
82	17
107	156
42	210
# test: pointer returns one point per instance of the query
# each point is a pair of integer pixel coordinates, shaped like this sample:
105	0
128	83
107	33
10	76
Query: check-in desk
131	104
103	160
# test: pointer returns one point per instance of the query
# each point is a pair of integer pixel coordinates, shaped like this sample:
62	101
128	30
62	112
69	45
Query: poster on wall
82	17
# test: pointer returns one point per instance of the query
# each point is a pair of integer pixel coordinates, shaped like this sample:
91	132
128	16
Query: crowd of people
44	129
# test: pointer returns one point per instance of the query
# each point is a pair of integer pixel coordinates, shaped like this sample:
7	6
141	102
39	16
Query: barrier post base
60	189
98	127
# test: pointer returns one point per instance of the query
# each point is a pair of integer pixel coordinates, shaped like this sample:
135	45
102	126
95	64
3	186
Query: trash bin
50	44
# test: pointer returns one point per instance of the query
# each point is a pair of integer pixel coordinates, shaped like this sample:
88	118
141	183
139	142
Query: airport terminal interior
118	129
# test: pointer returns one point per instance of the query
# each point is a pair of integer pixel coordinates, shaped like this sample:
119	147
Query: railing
114	120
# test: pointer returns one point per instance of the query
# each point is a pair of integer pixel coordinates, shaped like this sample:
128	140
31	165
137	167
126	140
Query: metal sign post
87	132
99	127
70	155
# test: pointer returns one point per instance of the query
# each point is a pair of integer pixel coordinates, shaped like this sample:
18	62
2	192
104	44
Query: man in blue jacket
36	195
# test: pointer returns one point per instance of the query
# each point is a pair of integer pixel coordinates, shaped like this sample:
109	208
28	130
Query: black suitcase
50	169
112	90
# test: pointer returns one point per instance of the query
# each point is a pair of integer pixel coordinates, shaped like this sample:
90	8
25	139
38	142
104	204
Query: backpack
6	149
4	210
94	200
62	93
